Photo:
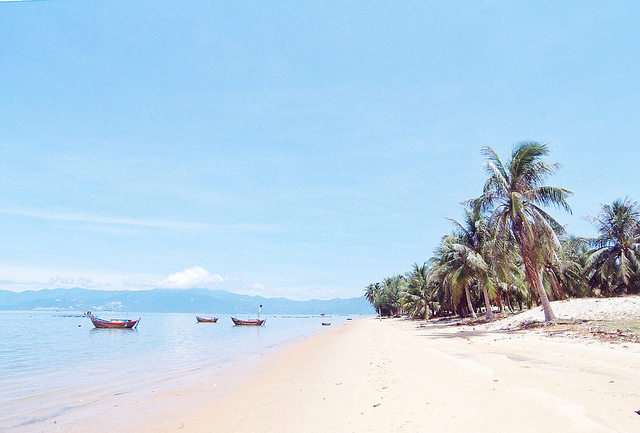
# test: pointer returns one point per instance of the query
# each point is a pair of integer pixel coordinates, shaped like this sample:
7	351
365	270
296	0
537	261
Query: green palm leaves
416	297
385	296
509	248
613	265
514	194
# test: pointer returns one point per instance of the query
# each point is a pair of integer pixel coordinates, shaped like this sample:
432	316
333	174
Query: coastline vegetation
510	254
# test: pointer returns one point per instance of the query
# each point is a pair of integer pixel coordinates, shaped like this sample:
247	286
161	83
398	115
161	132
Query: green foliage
613	264
510	252
416	297
385	296
514	194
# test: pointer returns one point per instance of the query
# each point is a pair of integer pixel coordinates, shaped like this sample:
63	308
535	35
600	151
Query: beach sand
387	375
375	375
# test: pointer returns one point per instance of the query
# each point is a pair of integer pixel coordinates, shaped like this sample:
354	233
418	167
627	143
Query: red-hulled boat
248	322
207	319
114	323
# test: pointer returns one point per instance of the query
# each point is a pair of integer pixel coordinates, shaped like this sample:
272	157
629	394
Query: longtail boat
248	322
114	323
207	319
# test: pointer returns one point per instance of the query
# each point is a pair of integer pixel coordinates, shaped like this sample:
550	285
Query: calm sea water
51	364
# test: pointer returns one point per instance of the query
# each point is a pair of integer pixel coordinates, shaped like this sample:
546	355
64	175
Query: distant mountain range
173	301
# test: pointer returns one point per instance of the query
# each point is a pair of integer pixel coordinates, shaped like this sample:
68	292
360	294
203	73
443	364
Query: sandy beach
373	375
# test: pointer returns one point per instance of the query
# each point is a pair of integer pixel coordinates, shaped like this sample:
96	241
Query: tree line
509	253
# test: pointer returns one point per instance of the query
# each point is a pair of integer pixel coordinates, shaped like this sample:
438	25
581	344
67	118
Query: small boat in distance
207	319
239	322
114	323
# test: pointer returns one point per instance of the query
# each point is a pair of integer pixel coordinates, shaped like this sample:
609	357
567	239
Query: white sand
609	309
391	375
374	375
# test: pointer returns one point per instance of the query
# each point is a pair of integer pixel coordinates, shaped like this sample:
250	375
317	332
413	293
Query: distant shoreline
195	301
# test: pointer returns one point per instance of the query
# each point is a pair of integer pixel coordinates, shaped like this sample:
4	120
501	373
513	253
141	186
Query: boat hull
114	324
248	322
207	319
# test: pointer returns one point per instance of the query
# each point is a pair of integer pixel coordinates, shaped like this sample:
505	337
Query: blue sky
288	149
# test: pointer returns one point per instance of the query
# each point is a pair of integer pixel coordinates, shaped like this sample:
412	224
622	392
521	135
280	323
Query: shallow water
51	364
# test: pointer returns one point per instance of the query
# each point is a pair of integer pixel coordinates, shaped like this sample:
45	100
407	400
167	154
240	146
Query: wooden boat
326	324
114	323
207	319
257	322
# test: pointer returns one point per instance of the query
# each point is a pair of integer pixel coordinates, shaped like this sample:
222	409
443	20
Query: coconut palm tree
372	293
472	241
508	272
613	265
514	193
576	251
392	287
417	295
385	296
563	269
441	296
454	273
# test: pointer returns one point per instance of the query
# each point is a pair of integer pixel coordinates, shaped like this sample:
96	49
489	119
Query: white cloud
192	278
133	222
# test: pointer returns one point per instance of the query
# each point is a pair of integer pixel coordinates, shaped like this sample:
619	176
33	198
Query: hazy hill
173	301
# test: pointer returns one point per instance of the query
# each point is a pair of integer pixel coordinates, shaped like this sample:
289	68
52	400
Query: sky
296	149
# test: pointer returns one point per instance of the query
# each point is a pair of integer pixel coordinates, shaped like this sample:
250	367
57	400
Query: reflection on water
53	364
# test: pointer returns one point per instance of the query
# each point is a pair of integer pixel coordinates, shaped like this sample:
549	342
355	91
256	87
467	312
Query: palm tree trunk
487	304
500	301
534	277
469	304
549	316
533	273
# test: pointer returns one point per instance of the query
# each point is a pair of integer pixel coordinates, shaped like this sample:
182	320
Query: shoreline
170	364
382	375
393	375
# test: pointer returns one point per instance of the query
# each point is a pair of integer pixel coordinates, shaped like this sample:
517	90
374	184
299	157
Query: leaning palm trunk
533	275
469	303
513	193
487	304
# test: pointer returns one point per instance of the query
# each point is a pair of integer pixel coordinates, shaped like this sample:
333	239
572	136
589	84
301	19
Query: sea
55	363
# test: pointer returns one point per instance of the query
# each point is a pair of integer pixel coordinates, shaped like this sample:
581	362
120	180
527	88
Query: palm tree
454	273
613	266
514	194
391	290
442	300
472	241
508	272
563	269
385	296
372	293
415	299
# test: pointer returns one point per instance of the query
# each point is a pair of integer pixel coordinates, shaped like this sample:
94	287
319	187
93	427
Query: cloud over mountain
192	278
